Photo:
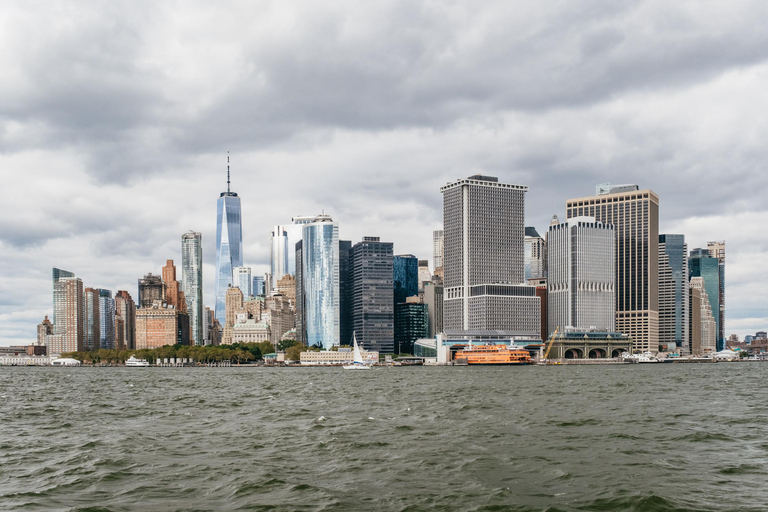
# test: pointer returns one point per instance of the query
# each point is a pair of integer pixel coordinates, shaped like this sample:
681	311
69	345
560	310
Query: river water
634	437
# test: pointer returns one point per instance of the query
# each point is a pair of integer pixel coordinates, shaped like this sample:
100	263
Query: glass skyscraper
229	243
192	283
673	292
370	266
320	282
107	319
405	277
243	279
280	254
701	264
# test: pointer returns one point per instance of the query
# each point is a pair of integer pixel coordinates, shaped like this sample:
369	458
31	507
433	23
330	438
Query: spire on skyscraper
227	171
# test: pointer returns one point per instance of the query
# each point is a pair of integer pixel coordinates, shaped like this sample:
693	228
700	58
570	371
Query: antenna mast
227	171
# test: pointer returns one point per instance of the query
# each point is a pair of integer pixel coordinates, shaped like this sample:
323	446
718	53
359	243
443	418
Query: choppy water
640	437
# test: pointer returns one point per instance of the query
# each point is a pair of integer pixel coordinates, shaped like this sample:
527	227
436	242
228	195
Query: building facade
69	305
581	287
405	277
159	325
701	264
437	248
673	293
229	243
107	319
241	277
717	250
534	254
433	298
92	320
702	327
634	214
192	283
370	264
279	255
151	288
411	324
174	296
126	309
320	282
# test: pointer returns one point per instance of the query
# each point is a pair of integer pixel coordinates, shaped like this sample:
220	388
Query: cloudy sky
116	118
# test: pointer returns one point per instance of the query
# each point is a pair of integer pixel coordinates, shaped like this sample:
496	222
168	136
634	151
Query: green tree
293	353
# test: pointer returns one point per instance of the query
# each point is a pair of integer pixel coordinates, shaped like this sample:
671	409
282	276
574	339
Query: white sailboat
357	361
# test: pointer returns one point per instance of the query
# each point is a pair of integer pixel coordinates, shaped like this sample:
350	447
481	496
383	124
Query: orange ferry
494	354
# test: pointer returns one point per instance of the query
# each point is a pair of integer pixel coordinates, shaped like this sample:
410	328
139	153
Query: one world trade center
229	243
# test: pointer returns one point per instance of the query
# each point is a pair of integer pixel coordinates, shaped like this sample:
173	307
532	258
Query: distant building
345	292
370	263
635	216
151	288
281	318
241	277
192	283
107	319
69	307
534	253
433	298
92	320
581	289
279	255
701	264
259	285
286	286
44	328
717	250
702	327
673	293
160	325
425	275
229	243
125	308
174	296
483	222
248	330
412	323
58	300
233	307
437	249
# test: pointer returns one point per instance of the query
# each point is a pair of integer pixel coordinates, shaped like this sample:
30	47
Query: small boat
357	358
645	357
134	361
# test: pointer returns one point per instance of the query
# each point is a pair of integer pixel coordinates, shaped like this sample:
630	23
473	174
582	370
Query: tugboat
494	355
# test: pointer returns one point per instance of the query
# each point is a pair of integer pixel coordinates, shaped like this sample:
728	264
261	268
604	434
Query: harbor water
657	437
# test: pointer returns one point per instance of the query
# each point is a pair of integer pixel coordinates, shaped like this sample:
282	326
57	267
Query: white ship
645	357
133	361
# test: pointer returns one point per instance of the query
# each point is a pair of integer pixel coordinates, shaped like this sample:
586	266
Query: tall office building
229	243
174	296
192	283
345	293
483	260
293	232
433	298
126	309
151	288
241	278
424	274
370	265
319	281
702	328
58	303
411	324
582	273
405	277
717	250
258	285
107	319
635	216
438	237
299	307
673	293
92	320
701	264
279	255
534	254
69	305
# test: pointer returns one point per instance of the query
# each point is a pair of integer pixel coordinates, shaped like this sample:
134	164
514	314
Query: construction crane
551	342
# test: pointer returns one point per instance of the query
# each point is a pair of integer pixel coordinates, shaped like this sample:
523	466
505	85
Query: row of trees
236	353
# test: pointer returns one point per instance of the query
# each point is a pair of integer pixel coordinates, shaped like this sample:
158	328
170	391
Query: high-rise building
174	296
192	283
160	325
424	275
229	243
126	309
673	293
411	324
44	328
151	288
701	264
581	289
319	281
702	328
259	286
405	272
717	250
433	298
233	307
58	301
370	264
345	293
287	288
279	255
483	221
438	236
69	305
634	214
534	254
280	316
92	320
241	277
107	319
299	307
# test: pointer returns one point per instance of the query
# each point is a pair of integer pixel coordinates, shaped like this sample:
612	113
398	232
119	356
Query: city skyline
121	170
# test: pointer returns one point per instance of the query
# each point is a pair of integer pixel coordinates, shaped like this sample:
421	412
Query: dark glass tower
701	264
370	263
405	276
673	292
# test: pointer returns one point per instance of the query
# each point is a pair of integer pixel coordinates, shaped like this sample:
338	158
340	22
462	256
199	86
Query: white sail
357	356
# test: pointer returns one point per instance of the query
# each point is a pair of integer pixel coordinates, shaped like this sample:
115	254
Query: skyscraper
173	294
483	260
411	324
229	243
635	216
405	271
279	255
126	309
370	264
345	292
702	327
192	283
258	285
241	277
300	325
437	248
701	264
151	288
717	250
673	293
582	274
92	320
69	306
58	301
320	282
107	319
534	254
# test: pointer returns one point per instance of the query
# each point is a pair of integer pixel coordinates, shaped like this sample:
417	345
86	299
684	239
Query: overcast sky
116	118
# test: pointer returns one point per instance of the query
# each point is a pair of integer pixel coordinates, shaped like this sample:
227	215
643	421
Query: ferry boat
133	361
493	354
